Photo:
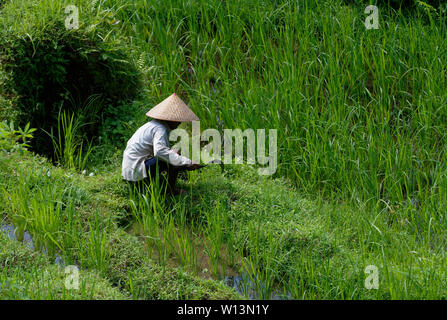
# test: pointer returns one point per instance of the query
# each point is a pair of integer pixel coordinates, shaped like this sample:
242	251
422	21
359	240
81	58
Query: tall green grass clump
39	207
68	144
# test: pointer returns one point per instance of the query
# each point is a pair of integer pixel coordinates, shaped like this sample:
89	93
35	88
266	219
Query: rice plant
38	210
68	144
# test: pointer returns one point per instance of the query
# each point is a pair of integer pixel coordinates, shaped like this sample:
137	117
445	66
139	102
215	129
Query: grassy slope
338	94
341	96
121	259
317	250
27	274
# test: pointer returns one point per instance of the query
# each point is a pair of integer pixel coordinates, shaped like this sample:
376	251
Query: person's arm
165	153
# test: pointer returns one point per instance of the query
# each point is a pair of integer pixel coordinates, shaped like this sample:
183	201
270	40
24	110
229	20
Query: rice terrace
223	150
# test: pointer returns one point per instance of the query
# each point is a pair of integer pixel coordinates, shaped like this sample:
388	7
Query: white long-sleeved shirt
151	139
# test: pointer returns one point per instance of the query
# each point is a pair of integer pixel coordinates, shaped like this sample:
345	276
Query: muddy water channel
10	231
225	268
203	262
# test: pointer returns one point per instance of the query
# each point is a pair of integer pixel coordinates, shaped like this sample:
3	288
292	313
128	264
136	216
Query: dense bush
50	68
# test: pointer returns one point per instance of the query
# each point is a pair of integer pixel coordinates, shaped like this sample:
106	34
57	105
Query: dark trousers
160	172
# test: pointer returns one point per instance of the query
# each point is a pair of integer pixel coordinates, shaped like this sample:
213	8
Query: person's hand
194	166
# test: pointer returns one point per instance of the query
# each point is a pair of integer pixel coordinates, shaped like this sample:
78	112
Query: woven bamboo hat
172	109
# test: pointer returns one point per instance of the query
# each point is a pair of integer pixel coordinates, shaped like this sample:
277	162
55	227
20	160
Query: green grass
84	225
280	241
316	249
68	143
26	274
362	177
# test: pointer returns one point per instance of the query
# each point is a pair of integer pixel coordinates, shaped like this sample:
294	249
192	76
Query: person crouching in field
148	153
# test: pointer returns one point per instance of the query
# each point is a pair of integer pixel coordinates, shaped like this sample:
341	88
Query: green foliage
400	4
51	68
360	117
12	139
68	144
338	94
26	274
119	122
68	213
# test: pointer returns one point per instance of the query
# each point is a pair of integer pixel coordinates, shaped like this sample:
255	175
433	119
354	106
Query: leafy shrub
49	69
119	122
12	139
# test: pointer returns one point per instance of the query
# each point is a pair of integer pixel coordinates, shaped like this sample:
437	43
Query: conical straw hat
172	109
